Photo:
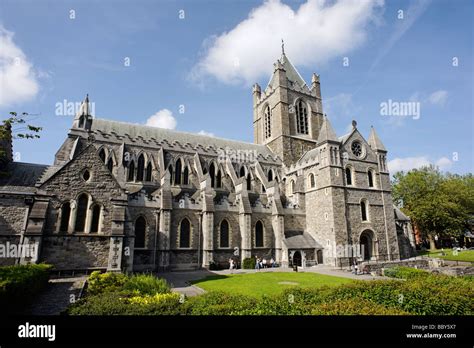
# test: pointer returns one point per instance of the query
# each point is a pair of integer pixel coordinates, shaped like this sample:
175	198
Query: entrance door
297	258
366	245
319	255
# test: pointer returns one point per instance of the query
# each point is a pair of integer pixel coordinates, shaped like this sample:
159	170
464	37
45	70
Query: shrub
220	303
105	282
146	284
248	263
20	283
116	303
404	272
354	307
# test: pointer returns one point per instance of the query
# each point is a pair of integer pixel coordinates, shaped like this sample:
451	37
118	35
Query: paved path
181	281
57	296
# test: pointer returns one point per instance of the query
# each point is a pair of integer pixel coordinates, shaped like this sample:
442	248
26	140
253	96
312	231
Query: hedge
20	283
404	272
139	284
420	294
117	303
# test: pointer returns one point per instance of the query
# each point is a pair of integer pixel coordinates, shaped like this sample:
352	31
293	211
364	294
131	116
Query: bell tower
288	114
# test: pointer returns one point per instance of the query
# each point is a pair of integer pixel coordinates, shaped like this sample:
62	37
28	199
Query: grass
266	283
464	255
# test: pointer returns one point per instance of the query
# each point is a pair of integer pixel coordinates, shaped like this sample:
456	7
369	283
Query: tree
437	204
16	127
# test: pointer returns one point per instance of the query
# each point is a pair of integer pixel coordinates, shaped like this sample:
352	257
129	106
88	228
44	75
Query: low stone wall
455	271
377	267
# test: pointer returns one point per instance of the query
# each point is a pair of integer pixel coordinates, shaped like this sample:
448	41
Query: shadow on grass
208	278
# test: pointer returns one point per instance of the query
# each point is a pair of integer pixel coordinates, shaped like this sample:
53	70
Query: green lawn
465	255
266	283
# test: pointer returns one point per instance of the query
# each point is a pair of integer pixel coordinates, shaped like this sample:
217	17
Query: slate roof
300	240
399	215
375	142
23	177
291	73
136	134
344	138
309	155
327	132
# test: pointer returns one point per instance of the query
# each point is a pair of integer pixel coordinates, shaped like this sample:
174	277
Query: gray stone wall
73	252
68	184
12	214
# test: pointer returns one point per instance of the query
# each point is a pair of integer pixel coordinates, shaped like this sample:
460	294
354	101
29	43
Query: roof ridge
178	132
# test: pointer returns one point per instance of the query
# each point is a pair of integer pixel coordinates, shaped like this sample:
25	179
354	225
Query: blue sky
205	55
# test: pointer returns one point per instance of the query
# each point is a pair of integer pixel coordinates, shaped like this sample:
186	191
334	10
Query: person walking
264	262
257	263
231	265
272	262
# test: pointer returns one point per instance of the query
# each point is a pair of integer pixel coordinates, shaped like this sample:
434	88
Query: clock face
356	148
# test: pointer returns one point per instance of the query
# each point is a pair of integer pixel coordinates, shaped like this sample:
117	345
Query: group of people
263	263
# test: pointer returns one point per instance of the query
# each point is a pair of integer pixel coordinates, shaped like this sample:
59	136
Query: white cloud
162	119
17	78
314	33
208	134
438	97
408	163
444	163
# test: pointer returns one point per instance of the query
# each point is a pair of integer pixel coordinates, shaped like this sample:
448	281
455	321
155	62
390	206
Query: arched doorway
366	245
319	256
297	258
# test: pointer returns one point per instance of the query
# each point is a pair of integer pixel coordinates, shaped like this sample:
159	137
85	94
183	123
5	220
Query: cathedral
127	197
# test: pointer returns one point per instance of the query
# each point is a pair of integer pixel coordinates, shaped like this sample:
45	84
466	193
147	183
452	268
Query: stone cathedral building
122	196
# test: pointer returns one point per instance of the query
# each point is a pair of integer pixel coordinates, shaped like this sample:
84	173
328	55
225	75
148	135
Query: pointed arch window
149	171
370	177
81	214
292	187
65	215
270	175
185	234
312	181
212	174
81	122
102	155
242	171
348	176
110	165
131	171
140	230
95	218
268	122
363	210
249	182
301	117
186	176
140	168
177	173
224	234
219	179
259	234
